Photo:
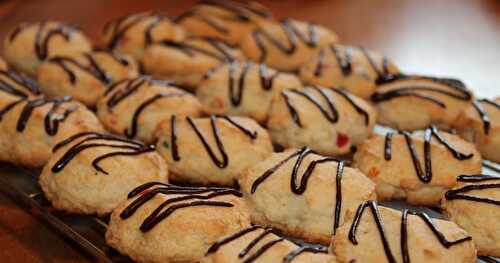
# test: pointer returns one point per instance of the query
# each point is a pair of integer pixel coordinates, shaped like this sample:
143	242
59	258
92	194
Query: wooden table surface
457	38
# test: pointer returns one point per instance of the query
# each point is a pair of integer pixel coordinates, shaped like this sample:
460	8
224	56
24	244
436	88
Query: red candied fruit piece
342	140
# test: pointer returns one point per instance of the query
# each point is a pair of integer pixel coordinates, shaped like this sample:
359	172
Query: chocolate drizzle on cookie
52	118
185	196
300	155
330	111
216	49
121	26
240	12
344	62
373	207
93	68
425	175
132	131
88	140
43	38
118	92
236	81
452	88
17	85
215	131
483	114
263	248
262	38
478	182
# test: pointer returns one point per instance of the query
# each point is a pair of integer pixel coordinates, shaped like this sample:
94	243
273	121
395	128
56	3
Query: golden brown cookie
417	167
356	69
244	89
213	150
135	107
133	33
91	172
85	76
379	234
327	120
304	194
474	204
480	124
286	45
31	126
168	223
415	102
29	44
187	62
230	21
263	245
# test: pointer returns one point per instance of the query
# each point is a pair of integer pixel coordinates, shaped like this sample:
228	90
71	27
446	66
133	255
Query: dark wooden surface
458	38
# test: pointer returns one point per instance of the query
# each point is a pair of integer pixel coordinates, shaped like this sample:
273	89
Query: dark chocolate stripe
188	197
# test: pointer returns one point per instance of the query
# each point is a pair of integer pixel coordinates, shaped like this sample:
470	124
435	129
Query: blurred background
456	38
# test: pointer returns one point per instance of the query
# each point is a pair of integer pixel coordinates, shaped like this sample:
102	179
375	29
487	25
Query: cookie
474	204
380	234
91	173
135	107
131	34
186	62
230	21
85	76
168	223
286	45
356	69
415	102
211	150
417	167
262	245
480	124
243	89
303	194
31	126
328	120
29	44
3	65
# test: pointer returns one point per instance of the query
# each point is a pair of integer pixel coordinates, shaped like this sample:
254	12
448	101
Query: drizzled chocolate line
88	140
344	62
236	90
42	42
266	231
131	86
489	259
298	251
93	68
29	85
291	33
300	189
218	49
215	131
461	193
242	13
51	121
132	131
404	230
424	176
331	114
122	25
460	92
148	191
483	114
